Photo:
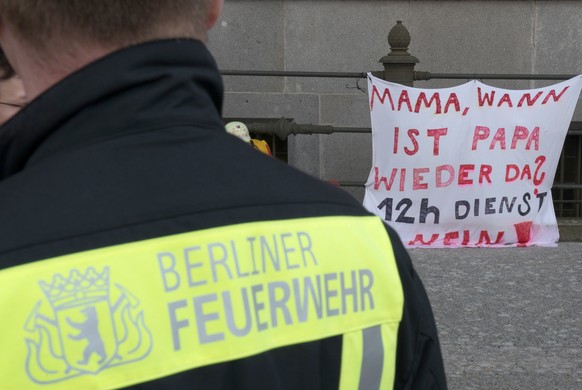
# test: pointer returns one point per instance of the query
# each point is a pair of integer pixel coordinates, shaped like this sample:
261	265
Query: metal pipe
494	76
418	75
286	73
283	127
352	130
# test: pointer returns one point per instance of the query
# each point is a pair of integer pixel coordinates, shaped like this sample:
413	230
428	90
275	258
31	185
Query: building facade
467	37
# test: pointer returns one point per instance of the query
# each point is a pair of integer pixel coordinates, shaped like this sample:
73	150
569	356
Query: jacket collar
150	85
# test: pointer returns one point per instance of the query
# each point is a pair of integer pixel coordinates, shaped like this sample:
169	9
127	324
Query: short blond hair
108	22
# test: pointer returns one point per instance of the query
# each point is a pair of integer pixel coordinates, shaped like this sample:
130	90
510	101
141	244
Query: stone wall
508	37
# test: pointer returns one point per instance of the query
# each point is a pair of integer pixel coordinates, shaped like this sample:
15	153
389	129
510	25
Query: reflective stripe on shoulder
127	314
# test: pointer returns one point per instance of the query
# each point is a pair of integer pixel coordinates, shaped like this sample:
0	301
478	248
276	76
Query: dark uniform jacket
131	149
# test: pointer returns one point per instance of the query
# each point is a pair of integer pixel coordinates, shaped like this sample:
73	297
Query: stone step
570	229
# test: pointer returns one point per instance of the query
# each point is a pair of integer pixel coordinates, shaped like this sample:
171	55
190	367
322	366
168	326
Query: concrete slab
508	318
570	230
239	41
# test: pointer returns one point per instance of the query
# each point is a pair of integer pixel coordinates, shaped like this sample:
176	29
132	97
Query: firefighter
144	247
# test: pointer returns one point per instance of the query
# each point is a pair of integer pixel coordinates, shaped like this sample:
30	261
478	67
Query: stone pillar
398	64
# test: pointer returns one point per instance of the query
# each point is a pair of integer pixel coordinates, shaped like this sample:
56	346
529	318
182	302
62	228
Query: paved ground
508	318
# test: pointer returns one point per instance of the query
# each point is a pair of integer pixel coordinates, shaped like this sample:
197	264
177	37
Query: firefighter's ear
214	12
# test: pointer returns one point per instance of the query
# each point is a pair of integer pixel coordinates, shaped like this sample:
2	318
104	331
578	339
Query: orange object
262	146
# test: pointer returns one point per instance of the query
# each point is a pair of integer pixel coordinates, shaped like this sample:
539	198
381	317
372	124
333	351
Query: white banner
468	166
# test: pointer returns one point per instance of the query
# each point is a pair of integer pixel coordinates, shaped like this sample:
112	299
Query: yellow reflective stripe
390	342
352	355
127	314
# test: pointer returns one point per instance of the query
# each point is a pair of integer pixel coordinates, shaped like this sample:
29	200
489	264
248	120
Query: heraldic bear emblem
87	332
89	329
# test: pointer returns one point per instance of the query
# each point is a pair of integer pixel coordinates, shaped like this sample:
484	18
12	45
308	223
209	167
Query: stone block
337	36
241	40
558	37
471	37
304	108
